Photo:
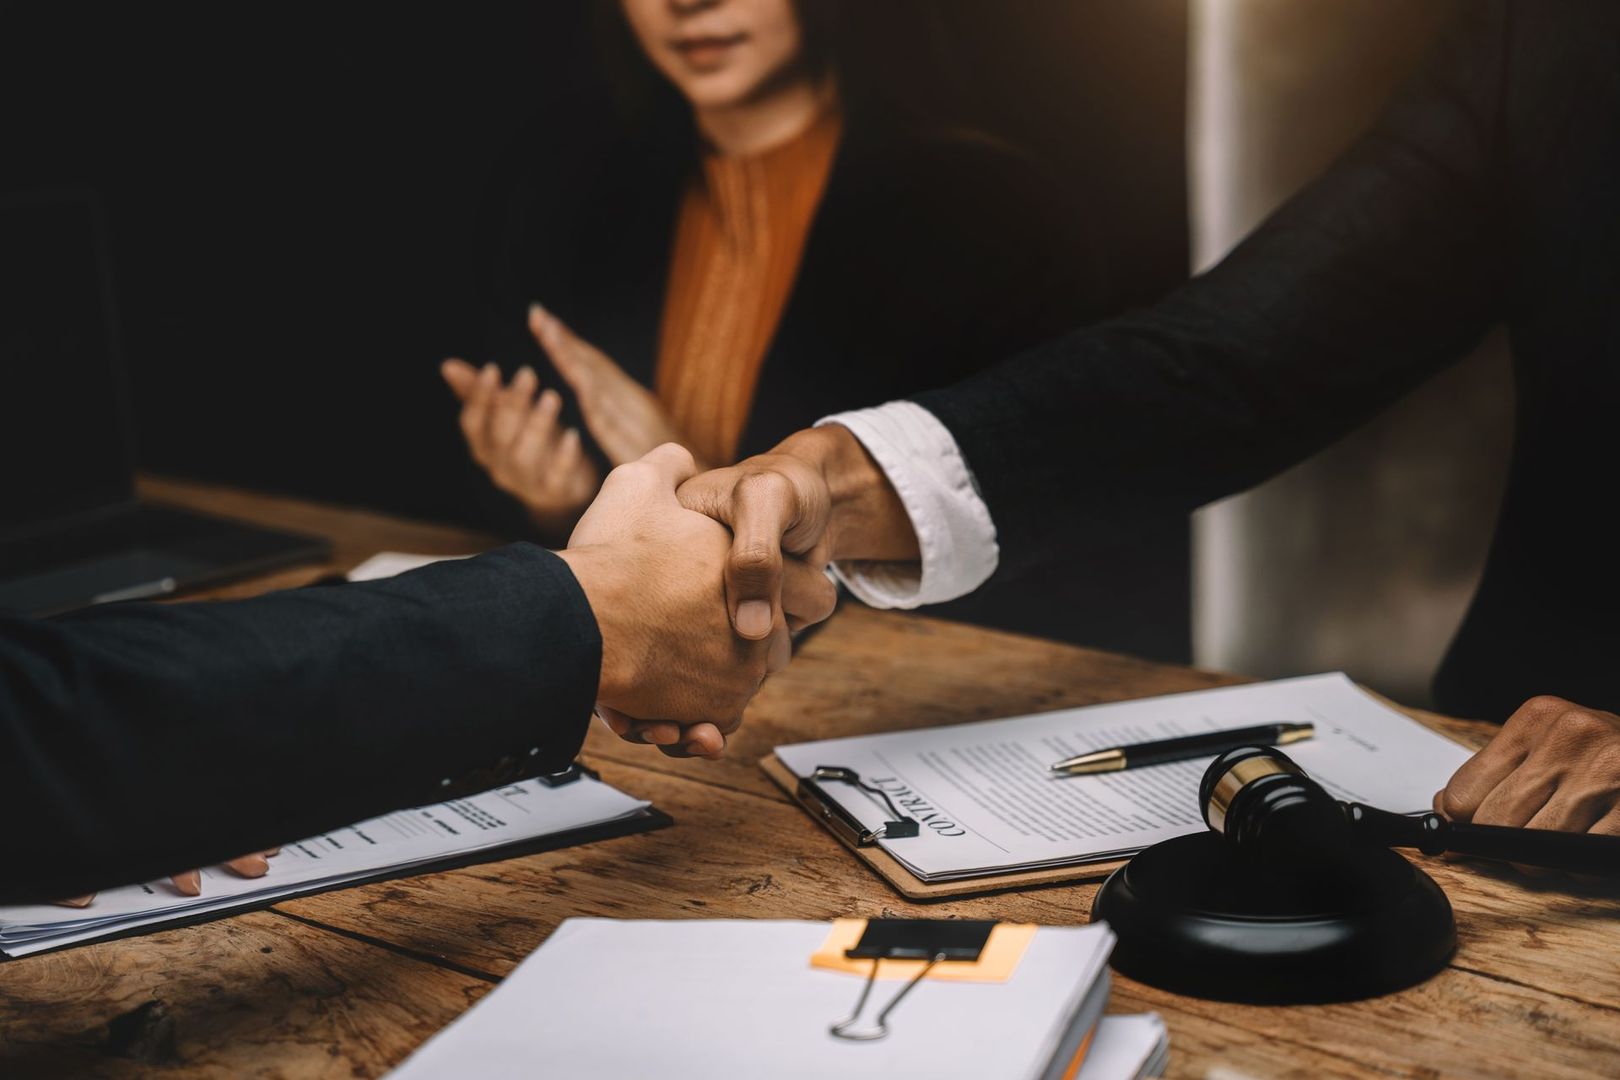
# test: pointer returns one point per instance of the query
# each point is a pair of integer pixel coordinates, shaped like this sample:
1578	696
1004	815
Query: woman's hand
515	436
623	416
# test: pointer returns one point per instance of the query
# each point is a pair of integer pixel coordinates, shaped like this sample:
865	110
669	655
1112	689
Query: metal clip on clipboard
840	820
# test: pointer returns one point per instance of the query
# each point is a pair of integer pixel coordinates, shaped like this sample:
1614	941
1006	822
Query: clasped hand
816	497
673	672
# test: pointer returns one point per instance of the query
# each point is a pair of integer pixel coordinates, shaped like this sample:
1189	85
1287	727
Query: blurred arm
136	740
1384	270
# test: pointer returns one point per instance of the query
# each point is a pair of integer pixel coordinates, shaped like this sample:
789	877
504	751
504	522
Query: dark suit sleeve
1380	273
139	740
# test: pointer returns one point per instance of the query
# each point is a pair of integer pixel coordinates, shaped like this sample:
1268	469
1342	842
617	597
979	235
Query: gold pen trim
1097	761
1293	733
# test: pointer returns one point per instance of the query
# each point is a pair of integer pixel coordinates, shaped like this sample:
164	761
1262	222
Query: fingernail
753	618
535	310
527	372
189	883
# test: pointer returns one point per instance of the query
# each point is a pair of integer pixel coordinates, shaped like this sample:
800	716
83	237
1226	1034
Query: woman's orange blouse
739	237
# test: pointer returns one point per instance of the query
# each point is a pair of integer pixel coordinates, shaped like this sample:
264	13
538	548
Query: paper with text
988	802
394	842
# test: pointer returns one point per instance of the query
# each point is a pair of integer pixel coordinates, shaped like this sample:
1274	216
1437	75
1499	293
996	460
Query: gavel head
1265	805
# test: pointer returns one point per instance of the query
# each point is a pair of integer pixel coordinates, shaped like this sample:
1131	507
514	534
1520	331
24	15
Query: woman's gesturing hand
623	416
515	434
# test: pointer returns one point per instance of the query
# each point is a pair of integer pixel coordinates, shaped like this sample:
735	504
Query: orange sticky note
996	963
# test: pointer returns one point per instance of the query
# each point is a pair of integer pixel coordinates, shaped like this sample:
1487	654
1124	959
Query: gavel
1266	806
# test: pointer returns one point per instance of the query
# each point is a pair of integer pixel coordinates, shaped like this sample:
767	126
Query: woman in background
792	221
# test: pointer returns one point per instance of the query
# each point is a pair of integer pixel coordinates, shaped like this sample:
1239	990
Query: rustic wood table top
348	983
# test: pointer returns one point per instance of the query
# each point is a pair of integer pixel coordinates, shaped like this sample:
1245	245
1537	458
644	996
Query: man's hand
653	573
817	496
1554	765
190	882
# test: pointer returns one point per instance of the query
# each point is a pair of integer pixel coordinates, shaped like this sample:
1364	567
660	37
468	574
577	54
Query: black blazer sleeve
1381	272
139	740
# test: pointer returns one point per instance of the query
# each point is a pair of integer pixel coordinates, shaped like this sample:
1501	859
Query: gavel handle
1580	853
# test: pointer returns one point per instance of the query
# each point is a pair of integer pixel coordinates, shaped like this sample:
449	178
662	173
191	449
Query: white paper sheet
988	802
1126	1047
700	999
385	564
397	841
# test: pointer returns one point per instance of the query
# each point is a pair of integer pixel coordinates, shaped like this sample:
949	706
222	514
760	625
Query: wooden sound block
1194	917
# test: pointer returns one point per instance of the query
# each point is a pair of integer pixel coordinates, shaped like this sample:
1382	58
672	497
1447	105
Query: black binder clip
932	940
840	820
567	776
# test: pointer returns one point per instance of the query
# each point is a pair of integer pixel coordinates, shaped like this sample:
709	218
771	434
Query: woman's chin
722	88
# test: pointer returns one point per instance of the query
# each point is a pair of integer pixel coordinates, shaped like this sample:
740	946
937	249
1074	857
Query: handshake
697	580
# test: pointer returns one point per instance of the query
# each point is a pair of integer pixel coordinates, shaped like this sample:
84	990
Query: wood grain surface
349	982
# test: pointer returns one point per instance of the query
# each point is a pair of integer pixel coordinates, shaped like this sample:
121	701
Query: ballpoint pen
1181	748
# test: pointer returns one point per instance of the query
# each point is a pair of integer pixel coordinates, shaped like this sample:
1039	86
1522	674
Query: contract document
988	803
522	814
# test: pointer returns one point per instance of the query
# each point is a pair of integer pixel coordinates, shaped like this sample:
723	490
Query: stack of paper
988	802
389	845
386	564
1127	1048
701	999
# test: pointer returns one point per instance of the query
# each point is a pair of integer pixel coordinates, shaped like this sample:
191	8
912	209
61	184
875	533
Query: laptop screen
65	440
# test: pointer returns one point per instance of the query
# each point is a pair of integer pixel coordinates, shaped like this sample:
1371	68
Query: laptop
72	532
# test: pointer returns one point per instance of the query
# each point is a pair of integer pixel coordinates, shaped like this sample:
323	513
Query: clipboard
903	881
648	819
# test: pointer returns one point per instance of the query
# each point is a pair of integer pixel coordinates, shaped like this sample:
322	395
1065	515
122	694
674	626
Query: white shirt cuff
954	531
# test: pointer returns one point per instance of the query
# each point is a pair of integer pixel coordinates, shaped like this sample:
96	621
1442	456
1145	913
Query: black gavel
1267	806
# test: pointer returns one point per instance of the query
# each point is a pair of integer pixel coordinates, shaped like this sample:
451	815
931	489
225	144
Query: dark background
292	195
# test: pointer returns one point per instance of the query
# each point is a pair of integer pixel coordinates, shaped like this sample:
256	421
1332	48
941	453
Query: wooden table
350	982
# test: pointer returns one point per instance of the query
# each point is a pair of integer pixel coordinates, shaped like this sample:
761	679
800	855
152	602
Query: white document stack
988	802
694	1000
390	845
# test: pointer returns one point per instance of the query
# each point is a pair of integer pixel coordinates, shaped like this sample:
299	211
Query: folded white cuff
954	531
